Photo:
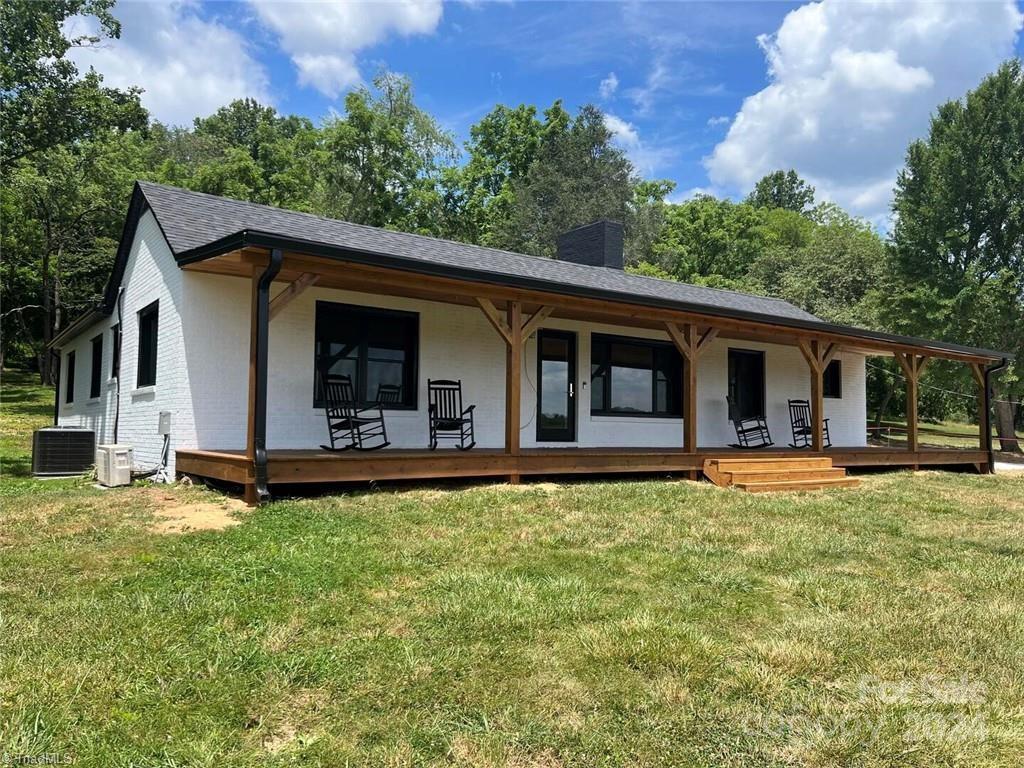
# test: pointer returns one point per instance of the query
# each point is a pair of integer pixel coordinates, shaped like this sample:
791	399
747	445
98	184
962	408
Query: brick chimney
596	245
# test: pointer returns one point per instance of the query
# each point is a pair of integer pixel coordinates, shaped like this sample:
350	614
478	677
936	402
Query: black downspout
262	339
56	391
989	370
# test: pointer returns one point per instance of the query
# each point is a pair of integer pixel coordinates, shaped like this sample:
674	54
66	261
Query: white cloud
187	65
714	122
647	158
851	85
624	133
608	86
323	39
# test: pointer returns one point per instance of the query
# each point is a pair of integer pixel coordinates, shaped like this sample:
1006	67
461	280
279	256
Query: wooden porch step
779	475
799	485
758	474
770	462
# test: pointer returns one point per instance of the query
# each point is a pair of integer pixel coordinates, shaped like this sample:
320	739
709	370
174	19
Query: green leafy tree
782	189
63	214
577	176
958	244
384	160
45	101
500	150
710	241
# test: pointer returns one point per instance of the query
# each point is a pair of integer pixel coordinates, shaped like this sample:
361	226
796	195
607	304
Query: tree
710	241
782	189
577	176
384	160
62	216
958	243
45	103
264	157
500	150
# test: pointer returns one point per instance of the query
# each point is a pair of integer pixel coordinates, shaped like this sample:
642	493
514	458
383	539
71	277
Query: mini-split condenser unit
114	465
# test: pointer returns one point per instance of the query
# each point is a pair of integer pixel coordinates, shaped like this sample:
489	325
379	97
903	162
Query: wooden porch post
984	419
817	401
912	366
818	355
513	381
514	333
250	434
690	345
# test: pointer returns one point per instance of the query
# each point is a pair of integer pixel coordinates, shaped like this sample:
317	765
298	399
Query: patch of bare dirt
175	514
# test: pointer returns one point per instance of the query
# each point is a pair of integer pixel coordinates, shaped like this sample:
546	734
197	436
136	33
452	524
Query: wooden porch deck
319	466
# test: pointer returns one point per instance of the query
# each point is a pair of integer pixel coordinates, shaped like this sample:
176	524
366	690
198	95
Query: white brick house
189	264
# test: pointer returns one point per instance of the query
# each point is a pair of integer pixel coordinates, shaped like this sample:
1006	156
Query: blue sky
708	95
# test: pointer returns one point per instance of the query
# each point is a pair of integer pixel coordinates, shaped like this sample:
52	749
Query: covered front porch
507	316
297	466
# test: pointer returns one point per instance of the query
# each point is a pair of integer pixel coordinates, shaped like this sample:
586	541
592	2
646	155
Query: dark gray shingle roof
191	220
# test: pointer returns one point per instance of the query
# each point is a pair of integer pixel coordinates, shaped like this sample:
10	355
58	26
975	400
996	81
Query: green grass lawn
640	623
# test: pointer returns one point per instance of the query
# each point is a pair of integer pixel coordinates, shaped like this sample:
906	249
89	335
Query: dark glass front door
746	384
556	386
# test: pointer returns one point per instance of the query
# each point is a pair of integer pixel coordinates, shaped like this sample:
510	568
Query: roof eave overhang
258	239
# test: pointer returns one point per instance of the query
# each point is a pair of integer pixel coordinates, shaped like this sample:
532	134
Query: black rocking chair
800	418
447	418
389	394
349	425
751	431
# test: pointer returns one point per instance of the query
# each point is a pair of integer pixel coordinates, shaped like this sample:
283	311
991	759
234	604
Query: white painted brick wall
203	354
151	274
457	342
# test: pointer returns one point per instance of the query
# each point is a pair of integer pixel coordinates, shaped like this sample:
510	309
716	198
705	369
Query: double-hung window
634	377
96	372
69	379
146	376
832	380
376	348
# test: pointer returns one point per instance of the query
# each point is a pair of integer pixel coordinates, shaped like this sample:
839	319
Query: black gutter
987	397
373	258
259	425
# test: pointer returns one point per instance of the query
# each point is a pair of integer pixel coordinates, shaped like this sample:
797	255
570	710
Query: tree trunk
45	370
884	405
1005	411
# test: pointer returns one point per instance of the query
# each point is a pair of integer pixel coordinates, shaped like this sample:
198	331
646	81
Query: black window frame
832	380
362	317
666	350
149	343
96	371
69	379
115	351
757	354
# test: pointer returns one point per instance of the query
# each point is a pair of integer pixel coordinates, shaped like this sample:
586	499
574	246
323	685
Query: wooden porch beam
681	338
709	335
535	321
292	292
494	317
368	278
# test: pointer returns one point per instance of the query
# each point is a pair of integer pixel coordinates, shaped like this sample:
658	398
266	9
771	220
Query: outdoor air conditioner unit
114	465
58	451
